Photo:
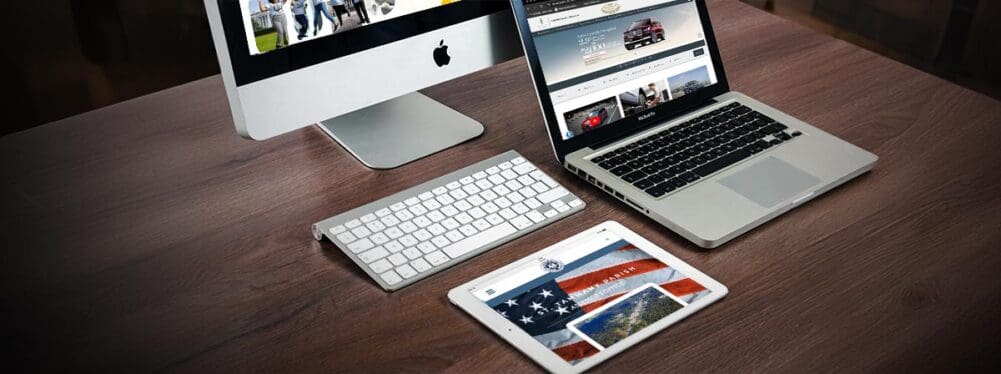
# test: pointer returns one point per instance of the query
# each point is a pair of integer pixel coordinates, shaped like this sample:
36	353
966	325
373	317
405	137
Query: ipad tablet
583	300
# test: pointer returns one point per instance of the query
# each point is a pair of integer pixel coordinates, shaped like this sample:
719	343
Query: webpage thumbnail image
591	117
689	82
545	307
616	321
275	24
643	98
590	47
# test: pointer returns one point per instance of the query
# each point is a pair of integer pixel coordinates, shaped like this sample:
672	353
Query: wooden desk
148	236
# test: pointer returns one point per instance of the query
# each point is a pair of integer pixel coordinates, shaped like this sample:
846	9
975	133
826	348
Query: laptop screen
604	61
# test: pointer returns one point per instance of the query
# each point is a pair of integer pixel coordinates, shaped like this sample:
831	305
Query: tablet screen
584	297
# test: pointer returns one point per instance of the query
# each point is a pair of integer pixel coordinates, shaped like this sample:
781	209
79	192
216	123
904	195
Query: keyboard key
532	203
361	232
346	237
436	258
393	246
479	240
656	191
375	226
408	241
368	218
397	207
481	224
373	254
423	235
773	128
360	245
379	238
468	230
523	168
390	277
521	222
397	259
380	266
551	195
722	162
440	241
338	229
412	253
389	221
406	271
421	265
383	212
437	229
535	216
643	184
454	235
427	247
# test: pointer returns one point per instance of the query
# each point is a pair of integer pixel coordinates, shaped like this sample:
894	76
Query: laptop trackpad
770	181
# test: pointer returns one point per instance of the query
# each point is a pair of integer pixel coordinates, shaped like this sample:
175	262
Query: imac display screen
276	24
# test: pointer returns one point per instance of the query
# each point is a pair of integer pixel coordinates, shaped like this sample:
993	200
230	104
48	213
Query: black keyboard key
762	144
753	148
689	177
650	169
635	164
634	176
783	136
677	169
699	160
776	141
656	178
718	152
607	165
689	165
643	184
667	187
722	162
773	128
656	191
677	182
621	170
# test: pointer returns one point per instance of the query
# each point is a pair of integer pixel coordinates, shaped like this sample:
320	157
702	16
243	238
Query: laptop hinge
606	142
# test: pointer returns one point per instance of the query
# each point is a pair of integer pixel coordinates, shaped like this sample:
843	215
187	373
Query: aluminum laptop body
768	162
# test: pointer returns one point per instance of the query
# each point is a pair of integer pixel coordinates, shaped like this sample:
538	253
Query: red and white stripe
608	278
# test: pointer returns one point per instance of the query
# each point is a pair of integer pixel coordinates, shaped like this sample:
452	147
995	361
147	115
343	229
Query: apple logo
441	56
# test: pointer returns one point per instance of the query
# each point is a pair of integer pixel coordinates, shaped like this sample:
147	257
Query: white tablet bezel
462	296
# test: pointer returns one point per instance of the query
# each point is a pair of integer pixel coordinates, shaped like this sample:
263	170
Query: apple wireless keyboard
403	238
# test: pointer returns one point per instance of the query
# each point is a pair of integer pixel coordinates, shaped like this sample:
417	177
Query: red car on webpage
641	32
594	119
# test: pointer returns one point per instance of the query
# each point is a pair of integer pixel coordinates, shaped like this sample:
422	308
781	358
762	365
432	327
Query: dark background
71	56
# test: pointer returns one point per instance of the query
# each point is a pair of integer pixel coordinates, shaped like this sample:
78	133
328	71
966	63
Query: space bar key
479	240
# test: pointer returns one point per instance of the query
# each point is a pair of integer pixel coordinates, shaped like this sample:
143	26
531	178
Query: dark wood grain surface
149	236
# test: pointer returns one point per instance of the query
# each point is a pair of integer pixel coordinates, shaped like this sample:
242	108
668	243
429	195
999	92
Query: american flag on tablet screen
544	310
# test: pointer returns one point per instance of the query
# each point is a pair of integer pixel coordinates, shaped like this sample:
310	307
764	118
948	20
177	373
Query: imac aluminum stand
401	130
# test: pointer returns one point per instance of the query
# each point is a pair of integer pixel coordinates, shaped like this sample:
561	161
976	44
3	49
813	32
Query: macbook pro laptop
637	103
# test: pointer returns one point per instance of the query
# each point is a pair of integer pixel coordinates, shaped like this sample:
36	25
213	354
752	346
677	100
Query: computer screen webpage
275	24
607	60
583	297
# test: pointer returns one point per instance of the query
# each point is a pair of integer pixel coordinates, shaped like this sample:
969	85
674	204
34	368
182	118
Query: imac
353	68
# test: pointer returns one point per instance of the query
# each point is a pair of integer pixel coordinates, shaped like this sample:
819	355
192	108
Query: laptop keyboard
673	158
